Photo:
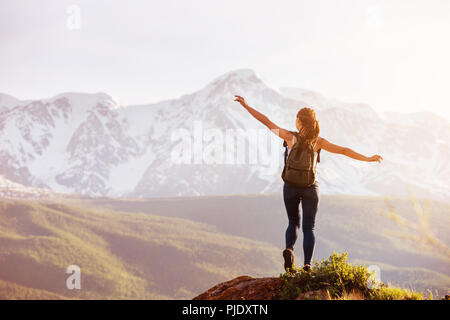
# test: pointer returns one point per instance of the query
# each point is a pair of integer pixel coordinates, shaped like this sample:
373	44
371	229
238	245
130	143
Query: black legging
309	196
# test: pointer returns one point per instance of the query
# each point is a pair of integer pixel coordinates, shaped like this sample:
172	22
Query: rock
245	288
321	294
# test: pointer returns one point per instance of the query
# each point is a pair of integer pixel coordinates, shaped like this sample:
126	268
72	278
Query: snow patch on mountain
90	144
13	190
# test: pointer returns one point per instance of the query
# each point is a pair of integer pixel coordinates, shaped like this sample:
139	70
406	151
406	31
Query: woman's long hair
310	126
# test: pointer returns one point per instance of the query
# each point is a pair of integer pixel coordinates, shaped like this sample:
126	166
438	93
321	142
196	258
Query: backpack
300	165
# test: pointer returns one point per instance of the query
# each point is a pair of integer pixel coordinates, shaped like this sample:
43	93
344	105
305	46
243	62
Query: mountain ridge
92	145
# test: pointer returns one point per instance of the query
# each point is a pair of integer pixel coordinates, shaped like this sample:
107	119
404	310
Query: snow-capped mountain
90	144
13	190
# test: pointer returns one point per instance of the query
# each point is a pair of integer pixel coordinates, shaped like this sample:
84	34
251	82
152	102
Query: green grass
341	280
386	293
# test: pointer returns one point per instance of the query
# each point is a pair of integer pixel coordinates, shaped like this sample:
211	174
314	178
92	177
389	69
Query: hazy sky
391	54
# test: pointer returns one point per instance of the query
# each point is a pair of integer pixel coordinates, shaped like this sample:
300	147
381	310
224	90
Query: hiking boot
288	255
307	267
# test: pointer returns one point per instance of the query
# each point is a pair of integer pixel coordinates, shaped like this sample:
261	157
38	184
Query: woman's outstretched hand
376	158
241	101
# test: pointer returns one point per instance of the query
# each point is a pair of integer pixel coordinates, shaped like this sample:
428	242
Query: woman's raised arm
282	133
330	147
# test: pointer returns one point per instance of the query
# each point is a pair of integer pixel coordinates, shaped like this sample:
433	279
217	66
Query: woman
308	131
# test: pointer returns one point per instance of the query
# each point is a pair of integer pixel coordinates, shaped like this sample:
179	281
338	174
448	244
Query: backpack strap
285	152
293	134
286	146
317	139
318	151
